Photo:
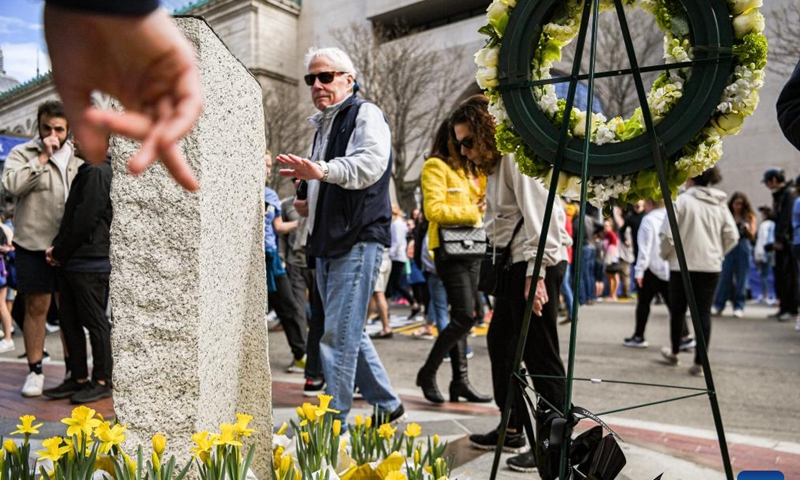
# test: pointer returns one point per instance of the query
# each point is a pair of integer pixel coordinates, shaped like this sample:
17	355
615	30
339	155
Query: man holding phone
39	173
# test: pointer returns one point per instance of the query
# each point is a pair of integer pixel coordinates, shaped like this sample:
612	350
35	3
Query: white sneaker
738	313
7	345
33	385
51	328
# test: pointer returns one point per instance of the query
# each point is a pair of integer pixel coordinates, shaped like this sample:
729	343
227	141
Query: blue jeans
566	289
734	274
348	357
437	308
587	289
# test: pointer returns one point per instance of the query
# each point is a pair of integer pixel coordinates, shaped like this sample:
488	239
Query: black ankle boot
460	386
427	382
463	389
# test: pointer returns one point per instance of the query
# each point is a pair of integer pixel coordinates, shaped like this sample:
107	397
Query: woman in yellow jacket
453	195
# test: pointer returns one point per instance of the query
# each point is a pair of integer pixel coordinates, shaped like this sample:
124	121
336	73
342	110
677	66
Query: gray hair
340	60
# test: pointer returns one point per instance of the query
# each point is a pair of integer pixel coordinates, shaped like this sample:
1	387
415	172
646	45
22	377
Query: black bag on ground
462	243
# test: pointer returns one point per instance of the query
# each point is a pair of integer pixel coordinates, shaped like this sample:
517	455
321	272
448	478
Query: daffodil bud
368	422
282	430
416	457
359	421
159	444
9	446
337	427
156	461
306	437
435	440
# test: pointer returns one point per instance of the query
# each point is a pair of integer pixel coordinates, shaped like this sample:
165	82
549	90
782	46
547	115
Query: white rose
752	21
487	57
569	186
729	124
737	7
580	128
495	13
487	77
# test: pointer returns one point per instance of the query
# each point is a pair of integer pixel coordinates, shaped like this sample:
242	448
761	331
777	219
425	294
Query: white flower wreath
738	101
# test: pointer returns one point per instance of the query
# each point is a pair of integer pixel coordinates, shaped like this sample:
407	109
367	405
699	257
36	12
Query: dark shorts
34	274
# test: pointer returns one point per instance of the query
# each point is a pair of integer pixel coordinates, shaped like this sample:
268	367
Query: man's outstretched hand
145	63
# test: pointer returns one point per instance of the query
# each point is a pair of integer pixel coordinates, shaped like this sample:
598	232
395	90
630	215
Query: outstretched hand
146	64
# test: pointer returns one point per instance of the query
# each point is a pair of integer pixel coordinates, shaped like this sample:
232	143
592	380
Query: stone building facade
271	36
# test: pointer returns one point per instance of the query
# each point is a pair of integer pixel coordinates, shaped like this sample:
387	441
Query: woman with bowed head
512	200
452	192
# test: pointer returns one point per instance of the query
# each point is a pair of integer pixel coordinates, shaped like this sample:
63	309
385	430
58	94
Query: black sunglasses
467	143
324	77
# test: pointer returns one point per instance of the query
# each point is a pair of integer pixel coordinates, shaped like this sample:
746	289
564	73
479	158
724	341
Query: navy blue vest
345	217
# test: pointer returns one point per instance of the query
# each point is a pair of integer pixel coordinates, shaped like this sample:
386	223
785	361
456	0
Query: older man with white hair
349	216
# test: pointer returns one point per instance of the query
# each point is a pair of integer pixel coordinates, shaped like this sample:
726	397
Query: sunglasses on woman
467	143
324	77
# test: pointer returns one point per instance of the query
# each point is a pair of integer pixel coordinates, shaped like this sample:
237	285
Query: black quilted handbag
462	243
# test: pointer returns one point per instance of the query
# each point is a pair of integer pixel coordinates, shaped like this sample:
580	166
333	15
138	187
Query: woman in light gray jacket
709	232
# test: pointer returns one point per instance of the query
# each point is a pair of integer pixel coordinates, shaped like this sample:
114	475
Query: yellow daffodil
27	427
368	422
306	437
282	430
286	463
227	436
240	427
300	412
203	443
106	464
435	440
396	475
386	431
53	449
309	412
159	444
9	446
413	430
416	457
359	421
81	421
130	464
324	401
277	454
109	436
337	427
156	461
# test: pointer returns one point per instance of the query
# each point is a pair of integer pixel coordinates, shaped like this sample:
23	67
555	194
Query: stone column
188	287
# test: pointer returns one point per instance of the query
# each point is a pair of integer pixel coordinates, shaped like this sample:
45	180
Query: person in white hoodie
516	202
709	232
651	273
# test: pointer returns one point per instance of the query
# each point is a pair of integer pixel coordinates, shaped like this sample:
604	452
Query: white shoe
51	328
33	385
7	345
716	312
738	313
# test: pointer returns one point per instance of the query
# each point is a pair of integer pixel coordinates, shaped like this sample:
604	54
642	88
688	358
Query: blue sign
753	475
581	96
7	143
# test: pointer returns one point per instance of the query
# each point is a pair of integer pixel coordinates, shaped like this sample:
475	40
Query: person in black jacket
133	51
788	107
786	287
81	251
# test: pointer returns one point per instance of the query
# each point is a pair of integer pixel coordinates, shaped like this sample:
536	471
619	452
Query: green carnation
753	49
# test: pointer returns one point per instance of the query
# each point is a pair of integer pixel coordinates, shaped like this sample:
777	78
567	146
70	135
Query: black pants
292	318
302	281
460	279
316	327
651	287
786	280
704	284
541	355
84	298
